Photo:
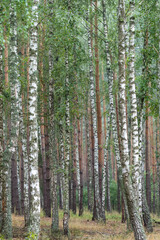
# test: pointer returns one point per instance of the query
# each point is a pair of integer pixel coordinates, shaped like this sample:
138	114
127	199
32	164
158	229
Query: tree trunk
80	167
15	90
6	228
153	165
89	159
67	155
98	105
148	177
1	137
74	167
145	209
53	151
133	213
34	216
136	172
97	202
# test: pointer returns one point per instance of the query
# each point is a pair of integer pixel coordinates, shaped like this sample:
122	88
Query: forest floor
83	228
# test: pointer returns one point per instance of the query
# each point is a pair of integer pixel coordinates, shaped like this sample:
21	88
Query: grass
83	228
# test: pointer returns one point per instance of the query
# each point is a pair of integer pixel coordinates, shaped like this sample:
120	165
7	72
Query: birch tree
133	213
67	154
34	216
94	114
136	169
110	83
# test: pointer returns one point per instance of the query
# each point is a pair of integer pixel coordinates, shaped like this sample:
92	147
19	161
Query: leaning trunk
131	203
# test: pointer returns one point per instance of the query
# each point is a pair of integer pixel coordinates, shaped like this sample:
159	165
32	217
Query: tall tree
34	216
133	213
98	104
67	154
136	173
97	207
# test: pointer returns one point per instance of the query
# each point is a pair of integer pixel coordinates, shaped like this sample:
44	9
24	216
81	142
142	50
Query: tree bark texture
97	202
34	216
132	208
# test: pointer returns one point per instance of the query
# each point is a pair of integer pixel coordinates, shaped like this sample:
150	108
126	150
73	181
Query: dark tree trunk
74	168
80	167
148	177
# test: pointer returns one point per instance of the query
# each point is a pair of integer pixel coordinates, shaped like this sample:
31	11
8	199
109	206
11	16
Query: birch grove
79	119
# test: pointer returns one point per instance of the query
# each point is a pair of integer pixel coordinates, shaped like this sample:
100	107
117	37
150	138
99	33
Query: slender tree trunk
81	168
74	167
67	156
34	216
61	158
159	123
48	174
89	159
153	165
112	109
136	178
148	177
98	105
6	228
53	152
15	90
21	134
1	137
133	213
110	82
145	209
97	202
106	187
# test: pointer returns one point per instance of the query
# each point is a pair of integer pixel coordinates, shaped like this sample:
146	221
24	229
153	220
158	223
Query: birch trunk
67	156
74	166
6	228
133	213
80	167
97	206
98	104
89	161
61	156
110	83
136	179
53	151
15	90
105	171
34	216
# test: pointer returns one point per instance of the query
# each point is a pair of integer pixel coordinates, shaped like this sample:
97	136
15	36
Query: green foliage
113	194
2	237
31	236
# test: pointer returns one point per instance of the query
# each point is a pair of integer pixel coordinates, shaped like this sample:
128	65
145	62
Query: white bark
67	155
133	213
23	132
136	179
34	217
104	170
110	83
94	114
61	156
77	166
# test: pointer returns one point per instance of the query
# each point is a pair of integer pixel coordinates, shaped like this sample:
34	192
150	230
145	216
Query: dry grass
83	228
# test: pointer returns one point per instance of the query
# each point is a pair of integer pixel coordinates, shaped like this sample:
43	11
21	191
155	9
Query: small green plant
1	237
31	236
